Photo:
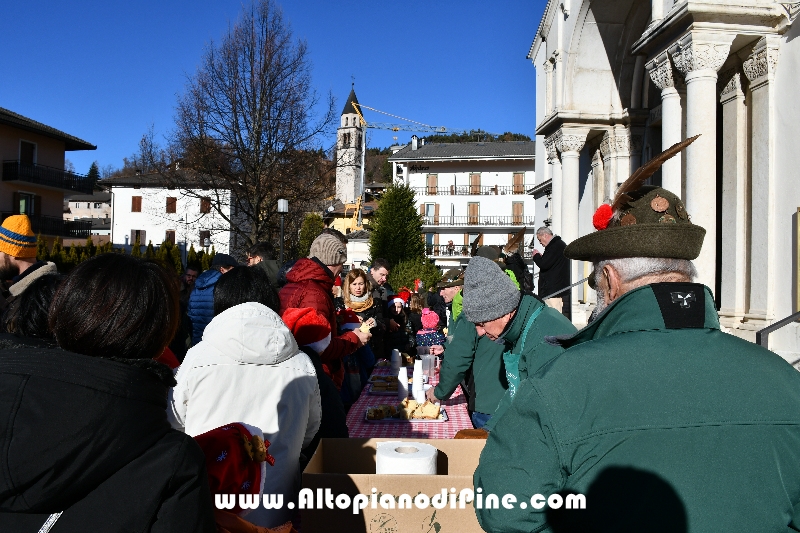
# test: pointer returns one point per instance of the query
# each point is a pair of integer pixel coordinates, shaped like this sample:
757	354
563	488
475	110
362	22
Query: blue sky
106	71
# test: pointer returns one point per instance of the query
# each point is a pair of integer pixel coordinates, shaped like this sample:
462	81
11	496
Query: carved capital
660	70
570	142
692	53
550	147
760	65
731	82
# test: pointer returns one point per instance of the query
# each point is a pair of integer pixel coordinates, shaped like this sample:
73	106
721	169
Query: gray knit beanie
329	250
488	292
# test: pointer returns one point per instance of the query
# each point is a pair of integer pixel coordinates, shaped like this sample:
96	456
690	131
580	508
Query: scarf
358	304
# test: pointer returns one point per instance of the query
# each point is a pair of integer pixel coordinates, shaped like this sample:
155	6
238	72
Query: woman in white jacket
249	369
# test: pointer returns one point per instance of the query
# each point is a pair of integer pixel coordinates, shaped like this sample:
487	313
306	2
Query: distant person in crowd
27	323
187	283
309	284
378	276
238	462
201	301
429	334
554	271
516	264
248	368
358	297
312	332
651	410
499	311
18	264
450	291
415	306
262	254
400	338
90	447
358	365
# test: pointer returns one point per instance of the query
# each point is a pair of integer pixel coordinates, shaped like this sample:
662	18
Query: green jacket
535	351
654	415
466	350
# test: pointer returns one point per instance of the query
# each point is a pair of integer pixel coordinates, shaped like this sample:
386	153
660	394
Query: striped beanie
17	238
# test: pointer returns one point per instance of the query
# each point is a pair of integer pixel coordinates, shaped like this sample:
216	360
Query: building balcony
471	190
478	221
56	227
46	177
455	251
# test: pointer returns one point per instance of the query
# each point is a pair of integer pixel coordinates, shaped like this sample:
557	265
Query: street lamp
283	208
185	232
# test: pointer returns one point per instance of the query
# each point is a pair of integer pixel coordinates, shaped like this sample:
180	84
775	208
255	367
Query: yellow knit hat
17	238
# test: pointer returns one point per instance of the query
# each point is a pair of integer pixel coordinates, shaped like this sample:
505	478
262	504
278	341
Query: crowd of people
130	397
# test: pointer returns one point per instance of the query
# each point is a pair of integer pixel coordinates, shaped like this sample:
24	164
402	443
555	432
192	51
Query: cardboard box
347	466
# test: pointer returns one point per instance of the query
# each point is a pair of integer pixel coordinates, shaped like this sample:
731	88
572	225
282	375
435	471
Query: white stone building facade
469	191
620	80
142	206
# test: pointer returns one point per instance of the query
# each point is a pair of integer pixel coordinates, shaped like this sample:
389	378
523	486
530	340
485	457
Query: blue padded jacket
201	303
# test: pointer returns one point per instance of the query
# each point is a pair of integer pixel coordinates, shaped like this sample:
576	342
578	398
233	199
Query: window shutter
421	208
171	204
519	186
436	216
205	205
136	204
474	183
170	236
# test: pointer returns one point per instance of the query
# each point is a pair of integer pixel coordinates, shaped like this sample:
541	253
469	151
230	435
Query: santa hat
430	320
401	297
309	327
236	459
348	320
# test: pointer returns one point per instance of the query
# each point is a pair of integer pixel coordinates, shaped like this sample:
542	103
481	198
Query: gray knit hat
329	250
488	292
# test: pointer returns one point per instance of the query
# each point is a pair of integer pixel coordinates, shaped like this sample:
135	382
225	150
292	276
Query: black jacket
553	268
89	437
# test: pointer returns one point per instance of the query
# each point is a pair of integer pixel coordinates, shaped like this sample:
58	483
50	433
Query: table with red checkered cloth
456	407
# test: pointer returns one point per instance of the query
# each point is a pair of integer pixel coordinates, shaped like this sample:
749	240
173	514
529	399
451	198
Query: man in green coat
502	333
652	418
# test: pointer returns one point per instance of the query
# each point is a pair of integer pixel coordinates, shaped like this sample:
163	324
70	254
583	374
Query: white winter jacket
249	369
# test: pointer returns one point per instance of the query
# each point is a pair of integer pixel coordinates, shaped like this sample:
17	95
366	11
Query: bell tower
348	152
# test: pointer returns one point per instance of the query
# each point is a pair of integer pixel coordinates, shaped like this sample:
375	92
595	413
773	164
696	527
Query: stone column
570	144
759	68
735	188
660	70
555	176
699	56
598	178
559	79
607	145
622	146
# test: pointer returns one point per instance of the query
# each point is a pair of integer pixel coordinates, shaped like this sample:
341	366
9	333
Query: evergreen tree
72	258
191	257
90	247
136	251
405	273
310	230
41	249
94	173
205	262
150	252
397	227
175	258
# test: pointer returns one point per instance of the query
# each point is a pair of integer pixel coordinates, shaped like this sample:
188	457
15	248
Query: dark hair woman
26	322
244	284
86	427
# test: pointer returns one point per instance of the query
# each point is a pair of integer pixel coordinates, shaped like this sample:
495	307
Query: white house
469	191
620	80
87	206
142	206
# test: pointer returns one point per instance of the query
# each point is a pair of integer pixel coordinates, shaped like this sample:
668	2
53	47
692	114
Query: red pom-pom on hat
602	217
347	319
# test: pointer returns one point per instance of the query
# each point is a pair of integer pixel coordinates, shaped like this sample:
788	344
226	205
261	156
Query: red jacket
309	285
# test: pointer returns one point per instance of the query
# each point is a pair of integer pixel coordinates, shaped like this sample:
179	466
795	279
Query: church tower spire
348	152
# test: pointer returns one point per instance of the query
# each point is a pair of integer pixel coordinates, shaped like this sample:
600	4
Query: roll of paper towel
400	457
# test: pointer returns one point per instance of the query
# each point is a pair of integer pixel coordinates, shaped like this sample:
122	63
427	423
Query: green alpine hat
649	222
642	221
452	278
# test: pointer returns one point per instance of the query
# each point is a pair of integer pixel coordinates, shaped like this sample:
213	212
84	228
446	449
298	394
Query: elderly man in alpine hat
662	421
